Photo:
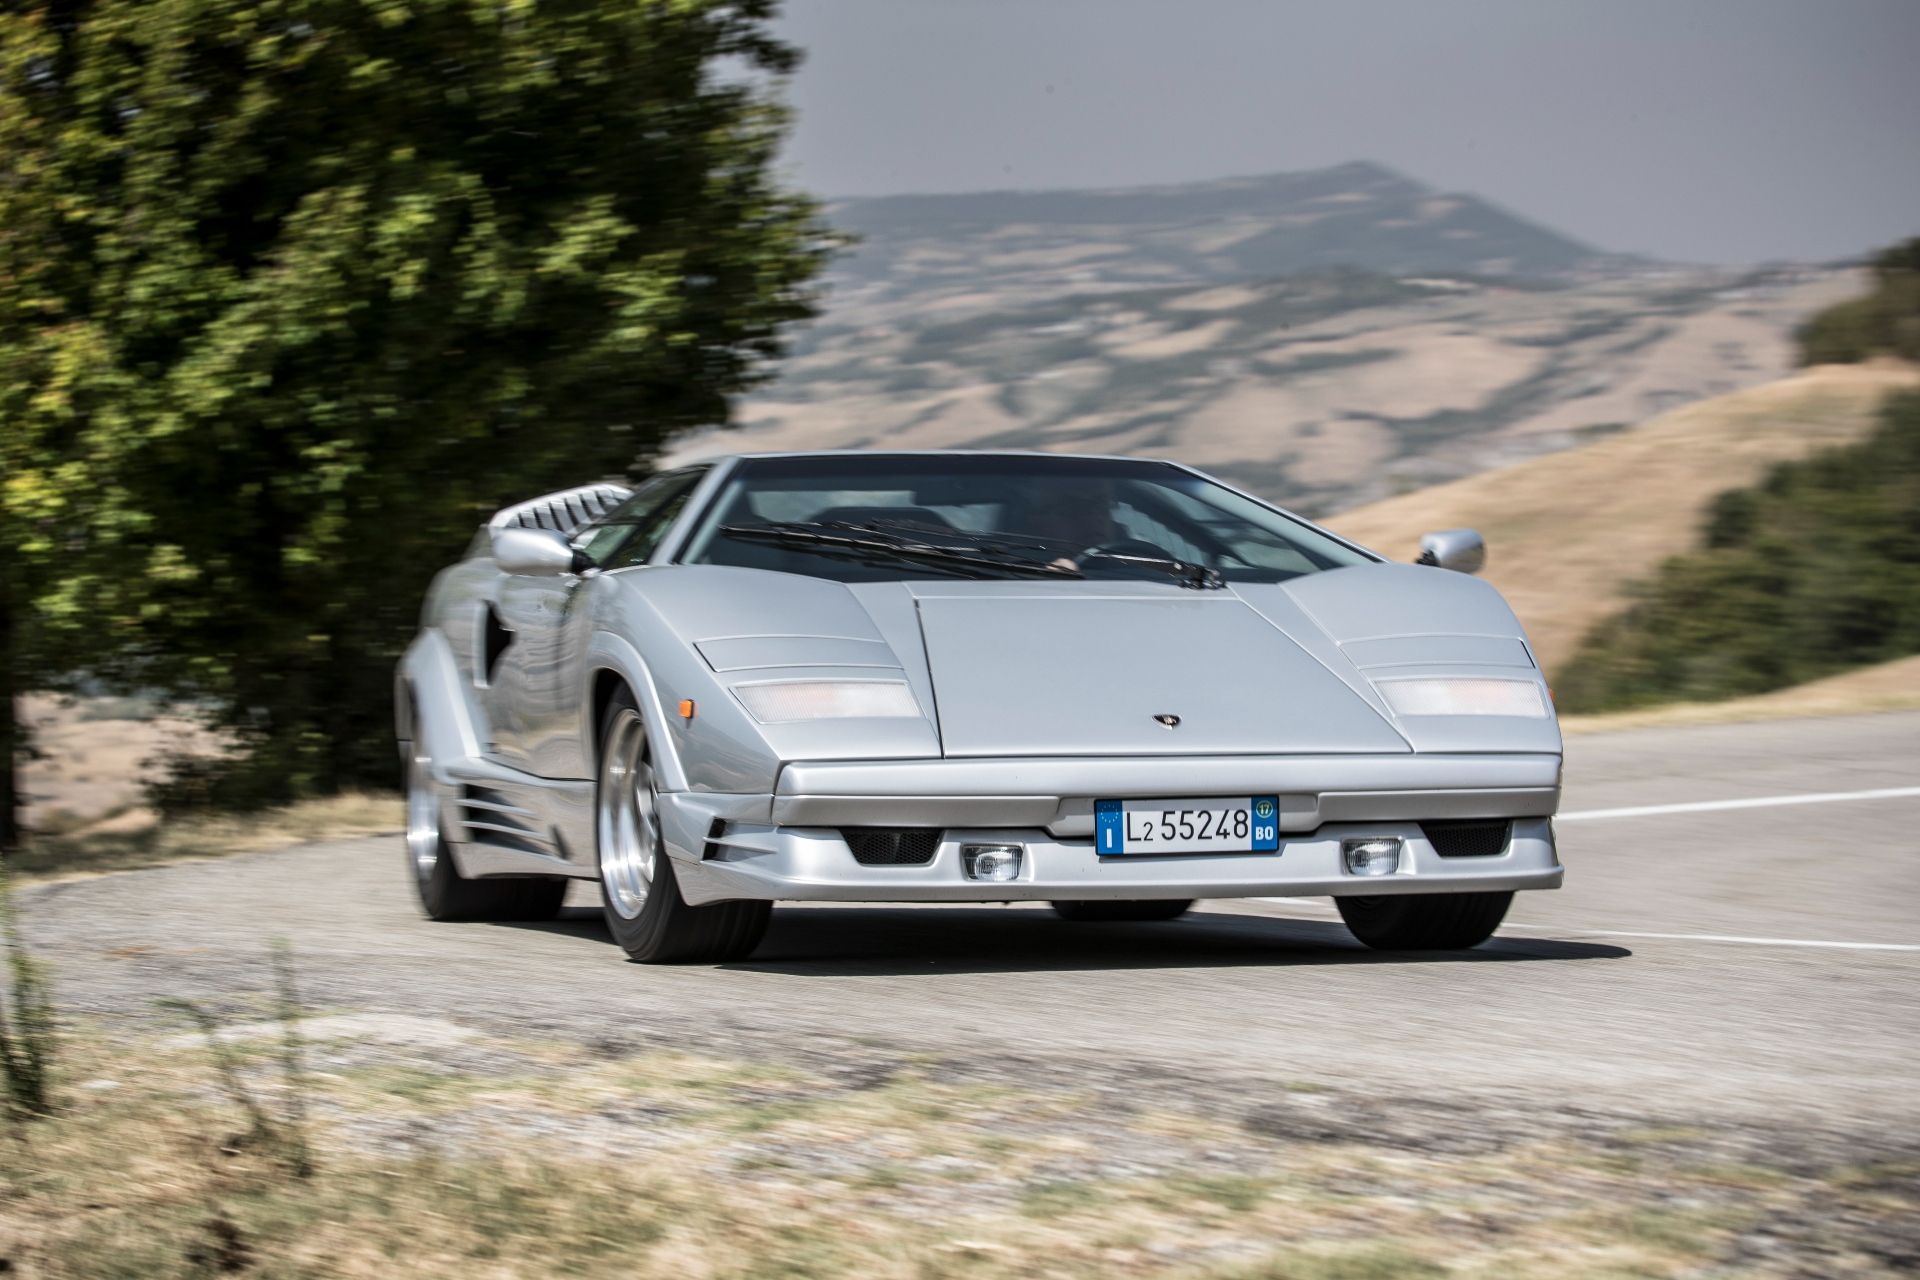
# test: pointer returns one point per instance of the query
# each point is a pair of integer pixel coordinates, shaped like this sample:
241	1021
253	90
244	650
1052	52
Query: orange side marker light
686	708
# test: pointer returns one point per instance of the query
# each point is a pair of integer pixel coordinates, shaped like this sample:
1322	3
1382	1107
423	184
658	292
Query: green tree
1812	571
1885	322
296	291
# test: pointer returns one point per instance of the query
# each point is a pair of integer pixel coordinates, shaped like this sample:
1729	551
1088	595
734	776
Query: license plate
1234	824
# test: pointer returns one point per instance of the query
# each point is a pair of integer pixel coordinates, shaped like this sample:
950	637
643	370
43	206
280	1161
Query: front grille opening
892	846
1469	838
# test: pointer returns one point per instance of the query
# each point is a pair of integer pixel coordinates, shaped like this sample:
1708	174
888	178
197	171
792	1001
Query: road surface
1671	977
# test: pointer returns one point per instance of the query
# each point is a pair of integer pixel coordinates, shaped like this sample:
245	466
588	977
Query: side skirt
505	823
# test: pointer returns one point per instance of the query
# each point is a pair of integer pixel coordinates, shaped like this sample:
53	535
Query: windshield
887	517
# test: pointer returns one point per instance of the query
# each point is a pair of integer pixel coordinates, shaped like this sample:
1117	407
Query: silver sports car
1110	684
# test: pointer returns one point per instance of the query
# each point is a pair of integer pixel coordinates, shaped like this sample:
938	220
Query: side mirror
1461	550
535	553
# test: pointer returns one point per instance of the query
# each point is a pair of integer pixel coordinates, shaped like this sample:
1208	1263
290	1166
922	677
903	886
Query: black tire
1115	909
444	893
640	893
1425	921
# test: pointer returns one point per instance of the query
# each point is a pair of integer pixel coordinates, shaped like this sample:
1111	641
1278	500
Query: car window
888	517
629	533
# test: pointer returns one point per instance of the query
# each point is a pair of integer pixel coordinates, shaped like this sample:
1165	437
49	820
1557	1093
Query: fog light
991	861
1373	856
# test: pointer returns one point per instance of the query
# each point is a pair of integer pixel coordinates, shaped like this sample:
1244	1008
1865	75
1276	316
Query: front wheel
1425	921
1114	909
645	913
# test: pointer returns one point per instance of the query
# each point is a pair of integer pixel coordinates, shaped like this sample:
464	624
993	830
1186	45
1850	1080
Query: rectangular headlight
827	700
1464	697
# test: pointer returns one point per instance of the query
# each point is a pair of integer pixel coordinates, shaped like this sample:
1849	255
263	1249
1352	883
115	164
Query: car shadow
881	941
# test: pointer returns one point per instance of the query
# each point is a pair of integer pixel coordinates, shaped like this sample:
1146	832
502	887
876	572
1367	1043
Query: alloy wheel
629	824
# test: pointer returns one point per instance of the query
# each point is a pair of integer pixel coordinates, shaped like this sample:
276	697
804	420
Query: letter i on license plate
1233	824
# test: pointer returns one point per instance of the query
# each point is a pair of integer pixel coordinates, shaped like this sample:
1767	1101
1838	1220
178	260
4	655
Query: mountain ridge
1361	215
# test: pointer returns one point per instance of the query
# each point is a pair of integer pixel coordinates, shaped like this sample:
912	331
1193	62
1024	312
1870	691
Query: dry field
1567	532
1891	686
91	758
437	1151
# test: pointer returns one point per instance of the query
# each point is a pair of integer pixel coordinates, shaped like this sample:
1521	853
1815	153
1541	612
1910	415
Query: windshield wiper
879	540
978	551
1187	572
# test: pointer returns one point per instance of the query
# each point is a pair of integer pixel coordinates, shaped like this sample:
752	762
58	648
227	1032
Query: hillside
1360	216
1566	532
1321	391
1324	339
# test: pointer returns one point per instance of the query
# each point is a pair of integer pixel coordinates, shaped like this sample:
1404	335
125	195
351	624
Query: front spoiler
812	864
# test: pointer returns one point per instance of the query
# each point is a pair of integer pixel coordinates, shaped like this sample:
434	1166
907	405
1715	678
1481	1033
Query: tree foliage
1885	322
294	292
1813	571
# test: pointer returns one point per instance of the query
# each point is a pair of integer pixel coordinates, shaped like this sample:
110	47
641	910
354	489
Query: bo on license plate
1236	824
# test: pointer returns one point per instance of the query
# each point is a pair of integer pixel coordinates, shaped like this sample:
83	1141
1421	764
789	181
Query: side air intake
1469	838
490	818
892	846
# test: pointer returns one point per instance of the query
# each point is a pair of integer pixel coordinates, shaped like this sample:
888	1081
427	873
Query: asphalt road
1574	1004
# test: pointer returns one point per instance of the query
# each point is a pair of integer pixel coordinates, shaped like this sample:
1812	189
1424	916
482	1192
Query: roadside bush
26	1021
1885	322
1811	572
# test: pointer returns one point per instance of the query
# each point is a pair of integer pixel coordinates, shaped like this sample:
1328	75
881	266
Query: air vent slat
496	805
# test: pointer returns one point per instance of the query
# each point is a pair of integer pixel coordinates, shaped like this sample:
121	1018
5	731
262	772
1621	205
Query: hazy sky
1701	130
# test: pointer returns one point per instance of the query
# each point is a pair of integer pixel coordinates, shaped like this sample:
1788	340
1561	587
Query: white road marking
1315	907
1756	802
1722	937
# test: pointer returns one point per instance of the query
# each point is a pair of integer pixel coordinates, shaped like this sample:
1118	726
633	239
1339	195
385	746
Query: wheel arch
433	706
613	663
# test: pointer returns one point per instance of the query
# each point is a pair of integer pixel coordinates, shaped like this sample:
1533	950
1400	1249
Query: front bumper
814	864
788	845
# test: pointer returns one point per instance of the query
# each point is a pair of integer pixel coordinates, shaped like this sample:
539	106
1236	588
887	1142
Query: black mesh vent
1473	838
892	846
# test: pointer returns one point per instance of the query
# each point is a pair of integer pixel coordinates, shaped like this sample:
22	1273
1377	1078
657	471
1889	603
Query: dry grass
1891	686
1567	531
92	851
476	1158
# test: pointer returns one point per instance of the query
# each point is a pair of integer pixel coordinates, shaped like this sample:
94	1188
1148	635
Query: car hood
1004	669
1130	669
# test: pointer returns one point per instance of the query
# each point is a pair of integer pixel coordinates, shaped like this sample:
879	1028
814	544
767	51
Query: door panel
525	679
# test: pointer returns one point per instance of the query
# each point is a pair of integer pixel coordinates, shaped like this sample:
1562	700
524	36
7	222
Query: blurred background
291	298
